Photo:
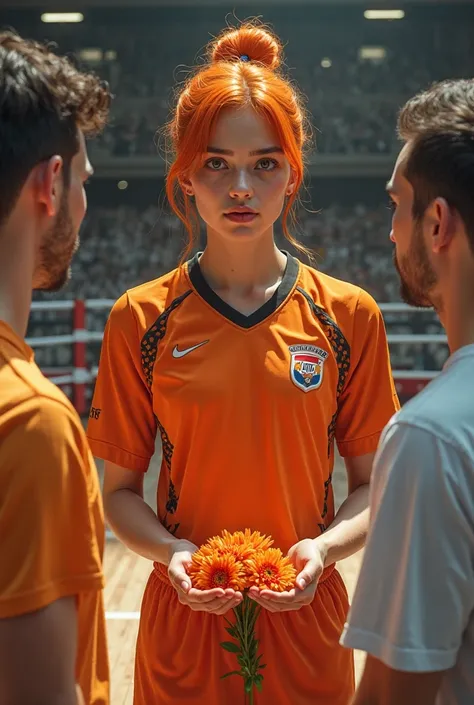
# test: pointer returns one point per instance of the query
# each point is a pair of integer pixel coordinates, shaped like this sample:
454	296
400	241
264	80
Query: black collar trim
269	307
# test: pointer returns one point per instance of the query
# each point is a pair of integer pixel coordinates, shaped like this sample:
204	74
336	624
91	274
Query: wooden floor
126	575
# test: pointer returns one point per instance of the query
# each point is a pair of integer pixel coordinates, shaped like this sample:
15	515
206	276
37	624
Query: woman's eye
215	164
267	164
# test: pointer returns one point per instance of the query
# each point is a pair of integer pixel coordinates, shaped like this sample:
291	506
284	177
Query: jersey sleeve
48	542
122	426
369	398
415	592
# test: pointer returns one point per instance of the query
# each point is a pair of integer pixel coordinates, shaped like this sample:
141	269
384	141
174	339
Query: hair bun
254	43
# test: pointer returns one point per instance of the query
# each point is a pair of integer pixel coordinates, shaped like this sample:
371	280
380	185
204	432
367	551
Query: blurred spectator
122	247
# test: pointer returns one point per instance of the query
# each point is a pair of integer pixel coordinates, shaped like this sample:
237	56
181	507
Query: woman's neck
242	265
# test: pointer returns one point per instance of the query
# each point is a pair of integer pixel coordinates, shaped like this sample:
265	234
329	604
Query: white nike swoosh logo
181	353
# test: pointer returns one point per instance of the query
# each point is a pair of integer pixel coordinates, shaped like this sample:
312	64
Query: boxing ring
77	378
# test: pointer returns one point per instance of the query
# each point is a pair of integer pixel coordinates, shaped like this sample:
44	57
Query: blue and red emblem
307	366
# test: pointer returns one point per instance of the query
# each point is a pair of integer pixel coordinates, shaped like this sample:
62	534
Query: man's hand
217	601
308	559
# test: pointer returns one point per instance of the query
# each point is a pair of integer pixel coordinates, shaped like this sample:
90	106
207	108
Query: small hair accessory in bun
250	42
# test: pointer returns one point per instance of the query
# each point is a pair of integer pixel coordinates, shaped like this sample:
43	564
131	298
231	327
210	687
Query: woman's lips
236	217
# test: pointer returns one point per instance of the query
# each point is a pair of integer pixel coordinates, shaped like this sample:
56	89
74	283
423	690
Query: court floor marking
127	616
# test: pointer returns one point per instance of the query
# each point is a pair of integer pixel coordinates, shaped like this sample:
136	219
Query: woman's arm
347	533
132	519
136	524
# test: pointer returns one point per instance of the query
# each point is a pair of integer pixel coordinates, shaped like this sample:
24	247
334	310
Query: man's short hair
439	124
44	101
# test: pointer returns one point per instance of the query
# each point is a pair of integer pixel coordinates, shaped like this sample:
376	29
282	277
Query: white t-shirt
413	607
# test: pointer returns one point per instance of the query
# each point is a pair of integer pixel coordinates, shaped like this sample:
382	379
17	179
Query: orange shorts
179	659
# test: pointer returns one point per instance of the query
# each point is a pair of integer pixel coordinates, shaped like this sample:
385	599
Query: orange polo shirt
51	517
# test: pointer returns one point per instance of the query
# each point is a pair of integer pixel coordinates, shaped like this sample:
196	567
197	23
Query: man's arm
381	685
415	592
38	656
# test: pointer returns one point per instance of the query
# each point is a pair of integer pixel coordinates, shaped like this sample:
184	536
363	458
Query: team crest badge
307	366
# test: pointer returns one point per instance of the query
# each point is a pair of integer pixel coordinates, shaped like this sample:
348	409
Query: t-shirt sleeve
122	426
48	542
369	399
415	593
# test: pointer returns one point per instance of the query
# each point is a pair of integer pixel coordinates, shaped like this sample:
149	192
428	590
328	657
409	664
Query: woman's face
242	180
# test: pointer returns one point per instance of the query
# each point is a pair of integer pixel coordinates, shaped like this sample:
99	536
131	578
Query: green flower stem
251	696
243	632
246	610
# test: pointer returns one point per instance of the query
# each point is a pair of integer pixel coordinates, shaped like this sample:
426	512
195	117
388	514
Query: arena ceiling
77	5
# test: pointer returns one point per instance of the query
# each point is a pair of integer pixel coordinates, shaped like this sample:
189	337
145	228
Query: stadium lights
326	63
50	17
370	53
91	55
384	14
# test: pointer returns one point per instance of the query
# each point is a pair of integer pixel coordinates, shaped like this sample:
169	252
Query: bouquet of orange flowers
240	561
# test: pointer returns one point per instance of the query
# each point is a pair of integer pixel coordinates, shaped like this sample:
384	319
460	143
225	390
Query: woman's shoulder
332	294
147	302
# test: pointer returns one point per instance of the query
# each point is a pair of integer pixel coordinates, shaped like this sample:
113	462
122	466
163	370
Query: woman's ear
291	184
186	186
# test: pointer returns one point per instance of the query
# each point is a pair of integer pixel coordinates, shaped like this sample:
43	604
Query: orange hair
230	82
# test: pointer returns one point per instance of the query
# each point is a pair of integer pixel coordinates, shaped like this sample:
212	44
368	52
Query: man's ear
49	186
442	220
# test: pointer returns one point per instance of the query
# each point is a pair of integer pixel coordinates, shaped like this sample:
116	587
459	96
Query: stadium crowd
352	102
352	97
122	248
352	91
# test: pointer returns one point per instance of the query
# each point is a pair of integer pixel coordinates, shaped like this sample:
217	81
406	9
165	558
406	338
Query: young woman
250	365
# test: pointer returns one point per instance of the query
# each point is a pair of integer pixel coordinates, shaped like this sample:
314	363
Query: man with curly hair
52	623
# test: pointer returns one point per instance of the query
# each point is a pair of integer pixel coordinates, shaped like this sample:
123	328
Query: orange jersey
247	407
51	518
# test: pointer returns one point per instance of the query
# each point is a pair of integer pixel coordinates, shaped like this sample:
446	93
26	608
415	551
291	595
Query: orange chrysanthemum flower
255	539
242	545
217	571
227	544
270	570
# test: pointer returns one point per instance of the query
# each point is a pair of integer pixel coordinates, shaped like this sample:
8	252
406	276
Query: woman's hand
308	559
216	601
